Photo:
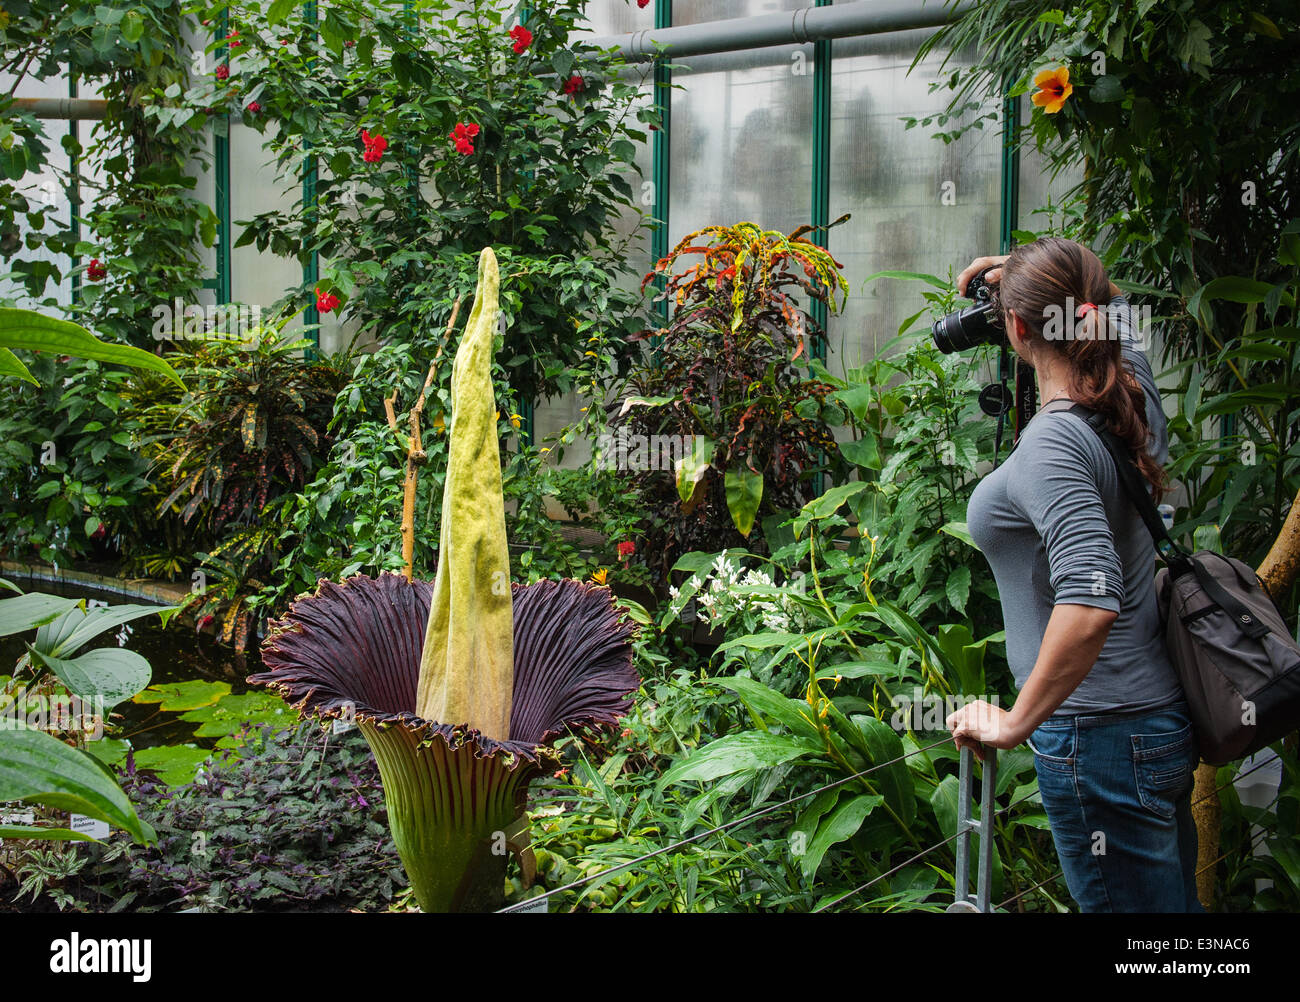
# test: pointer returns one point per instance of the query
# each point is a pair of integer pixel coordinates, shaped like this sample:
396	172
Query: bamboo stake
415	454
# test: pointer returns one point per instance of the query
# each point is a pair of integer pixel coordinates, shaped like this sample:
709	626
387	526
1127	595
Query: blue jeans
1117	791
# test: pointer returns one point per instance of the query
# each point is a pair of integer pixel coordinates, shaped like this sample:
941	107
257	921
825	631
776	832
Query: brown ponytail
1048	283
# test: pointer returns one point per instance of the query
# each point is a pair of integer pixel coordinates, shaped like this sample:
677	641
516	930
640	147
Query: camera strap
1130	479
1026	395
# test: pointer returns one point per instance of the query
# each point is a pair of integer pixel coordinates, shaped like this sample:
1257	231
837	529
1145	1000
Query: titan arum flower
459	685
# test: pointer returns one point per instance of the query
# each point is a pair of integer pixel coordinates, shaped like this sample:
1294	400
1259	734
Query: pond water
176	653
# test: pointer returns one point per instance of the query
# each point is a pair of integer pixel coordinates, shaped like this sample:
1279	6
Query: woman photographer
1099	702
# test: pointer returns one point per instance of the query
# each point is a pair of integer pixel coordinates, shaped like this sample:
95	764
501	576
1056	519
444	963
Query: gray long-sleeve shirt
1056	527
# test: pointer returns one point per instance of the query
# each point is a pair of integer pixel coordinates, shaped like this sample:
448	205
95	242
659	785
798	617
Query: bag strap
1131	480
1176	558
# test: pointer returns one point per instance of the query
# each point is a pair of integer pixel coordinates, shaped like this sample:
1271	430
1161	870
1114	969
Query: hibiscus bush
432	133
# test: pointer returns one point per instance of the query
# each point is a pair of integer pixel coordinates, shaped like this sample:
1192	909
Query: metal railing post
964	900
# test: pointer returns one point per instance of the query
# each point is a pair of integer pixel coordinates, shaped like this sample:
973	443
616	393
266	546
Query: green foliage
69	458
550	174
37	765
1271	833
147	225
1245	478
244	432
38	768
26	329
1170	115
918	435
313	802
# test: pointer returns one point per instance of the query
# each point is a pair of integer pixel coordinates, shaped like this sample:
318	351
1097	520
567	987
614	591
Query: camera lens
974	325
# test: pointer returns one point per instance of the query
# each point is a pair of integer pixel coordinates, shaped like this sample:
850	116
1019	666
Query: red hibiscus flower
573	84
253	108
462	136
375	146
626	549
643	4
326	302
233	39
95	271
523	38
223	72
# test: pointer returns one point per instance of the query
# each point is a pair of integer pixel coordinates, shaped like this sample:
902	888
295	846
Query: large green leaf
842	823
893	780
736	753
828	504
27	612
692	467
38	768
44	834
1232	288
744	494
862	451
66	635
914	276
36	332
110	673
181	696
11	365
958	530
175	764
760	699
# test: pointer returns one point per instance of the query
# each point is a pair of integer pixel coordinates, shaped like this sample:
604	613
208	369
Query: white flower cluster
719	604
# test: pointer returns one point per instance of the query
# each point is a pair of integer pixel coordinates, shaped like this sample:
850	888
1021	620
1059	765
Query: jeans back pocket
1164	768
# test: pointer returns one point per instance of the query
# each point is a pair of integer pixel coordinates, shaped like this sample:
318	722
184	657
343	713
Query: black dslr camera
974	325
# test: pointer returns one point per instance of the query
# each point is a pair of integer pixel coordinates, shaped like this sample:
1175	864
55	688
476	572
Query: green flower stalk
461	684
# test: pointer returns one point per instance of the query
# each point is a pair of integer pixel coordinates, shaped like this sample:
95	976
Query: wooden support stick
415	454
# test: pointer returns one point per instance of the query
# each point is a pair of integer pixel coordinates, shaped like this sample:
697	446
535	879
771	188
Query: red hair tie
1083	309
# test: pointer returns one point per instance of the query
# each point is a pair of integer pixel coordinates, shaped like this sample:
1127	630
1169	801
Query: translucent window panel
699	11
258	278
917	204
44	188
203	166
1037	186
617	18
741	135
552	415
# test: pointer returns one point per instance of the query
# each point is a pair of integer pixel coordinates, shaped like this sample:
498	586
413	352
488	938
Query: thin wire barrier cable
1214	792
530	902
924	852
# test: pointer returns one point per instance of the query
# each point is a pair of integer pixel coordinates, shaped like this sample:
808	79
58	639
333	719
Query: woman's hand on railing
980	723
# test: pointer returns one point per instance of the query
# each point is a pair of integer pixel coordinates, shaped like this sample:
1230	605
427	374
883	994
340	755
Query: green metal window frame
221	181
